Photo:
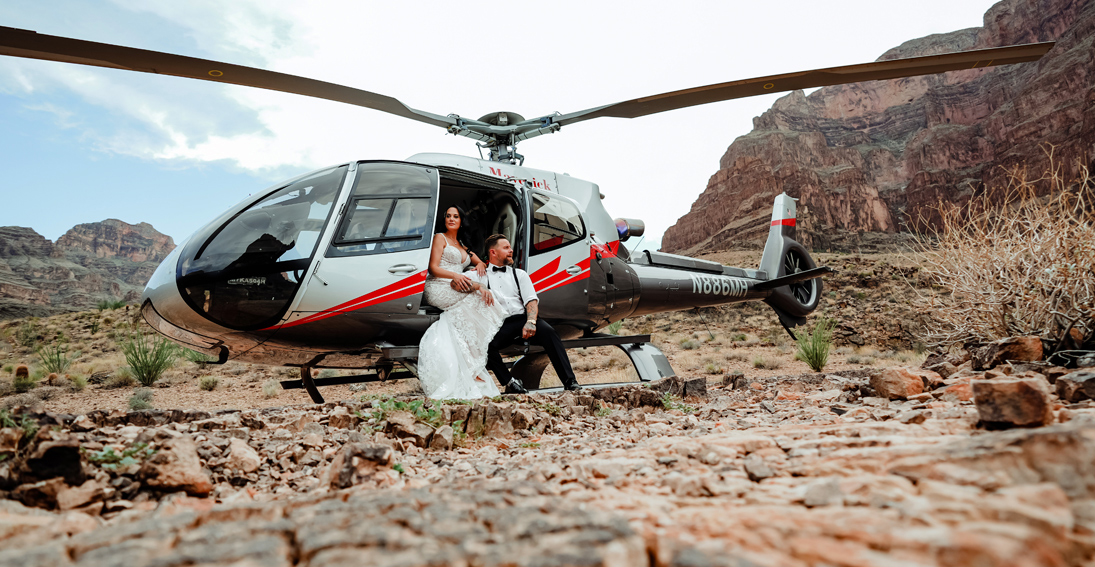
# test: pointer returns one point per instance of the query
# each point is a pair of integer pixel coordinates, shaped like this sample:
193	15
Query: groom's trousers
546	337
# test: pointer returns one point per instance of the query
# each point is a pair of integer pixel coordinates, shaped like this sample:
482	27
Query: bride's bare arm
460	282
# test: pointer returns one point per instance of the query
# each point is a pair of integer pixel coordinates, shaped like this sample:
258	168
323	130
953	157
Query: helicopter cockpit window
389	211
245	274
555	223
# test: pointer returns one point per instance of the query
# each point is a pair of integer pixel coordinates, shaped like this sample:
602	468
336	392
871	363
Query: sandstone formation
107	260
871	159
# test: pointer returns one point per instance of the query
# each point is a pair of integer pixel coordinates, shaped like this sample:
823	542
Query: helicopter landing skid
650	364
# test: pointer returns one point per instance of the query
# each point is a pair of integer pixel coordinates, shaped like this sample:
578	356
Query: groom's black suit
504	284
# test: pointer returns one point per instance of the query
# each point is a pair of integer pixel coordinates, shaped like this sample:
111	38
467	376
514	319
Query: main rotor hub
500	132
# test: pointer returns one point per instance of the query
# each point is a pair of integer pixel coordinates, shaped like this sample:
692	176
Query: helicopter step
650	364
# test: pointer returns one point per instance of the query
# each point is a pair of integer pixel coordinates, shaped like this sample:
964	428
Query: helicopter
327	270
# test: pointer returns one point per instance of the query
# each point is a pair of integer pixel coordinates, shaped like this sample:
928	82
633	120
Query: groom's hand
528	330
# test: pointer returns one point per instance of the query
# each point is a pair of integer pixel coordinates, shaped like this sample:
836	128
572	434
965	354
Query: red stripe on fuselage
784	222
398	290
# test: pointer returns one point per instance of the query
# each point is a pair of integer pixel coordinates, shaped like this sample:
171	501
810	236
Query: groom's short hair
493	239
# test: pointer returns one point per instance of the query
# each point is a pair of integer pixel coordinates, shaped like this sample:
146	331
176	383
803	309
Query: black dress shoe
572	387
515	387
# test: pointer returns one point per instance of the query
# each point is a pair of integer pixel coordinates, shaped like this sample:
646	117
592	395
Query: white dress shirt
501	286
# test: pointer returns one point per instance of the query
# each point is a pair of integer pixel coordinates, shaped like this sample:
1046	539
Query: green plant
110	304
109	459
548	408
271	388
149	358
605	411
27	334
813	348
122	378
5	419
712	368
28	425
398	467
23	384
529	445
689	344
614	328
199	358
78	382
673	402
55	358
141	399
208	383
8	368
740	337
94	327
418	408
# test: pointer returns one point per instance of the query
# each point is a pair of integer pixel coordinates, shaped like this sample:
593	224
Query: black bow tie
497	269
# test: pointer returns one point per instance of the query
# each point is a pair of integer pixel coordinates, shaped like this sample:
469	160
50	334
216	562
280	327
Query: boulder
961	392
679	386
1024	349
442	438
90	492
176	467
242	457
341	418
403	425
1076	386
54	454
498	420
9	440
899	383
41	494
1008	403
361	463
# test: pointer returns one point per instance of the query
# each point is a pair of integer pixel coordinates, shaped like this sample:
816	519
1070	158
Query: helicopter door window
555	223
389	211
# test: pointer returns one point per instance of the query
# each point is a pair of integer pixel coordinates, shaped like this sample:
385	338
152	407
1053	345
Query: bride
452	357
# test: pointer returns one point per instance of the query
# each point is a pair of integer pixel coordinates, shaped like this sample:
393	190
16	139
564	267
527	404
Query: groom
513	290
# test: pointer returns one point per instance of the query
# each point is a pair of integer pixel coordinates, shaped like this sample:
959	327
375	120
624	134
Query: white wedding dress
453	352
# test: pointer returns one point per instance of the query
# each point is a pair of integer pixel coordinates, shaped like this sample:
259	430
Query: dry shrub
1015	263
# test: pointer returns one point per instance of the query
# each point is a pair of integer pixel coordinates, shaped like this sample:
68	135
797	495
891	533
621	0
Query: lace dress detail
453	352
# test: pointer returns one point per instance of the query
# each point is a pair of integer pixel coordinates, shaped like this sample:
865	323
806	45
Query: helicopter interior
490	211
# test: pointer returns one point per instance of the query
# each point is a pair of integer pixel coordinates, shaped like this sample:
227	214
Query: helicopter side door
370	281
558	256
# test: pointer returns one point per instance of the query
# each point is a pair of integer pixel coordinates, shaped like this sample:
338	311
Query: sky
83	144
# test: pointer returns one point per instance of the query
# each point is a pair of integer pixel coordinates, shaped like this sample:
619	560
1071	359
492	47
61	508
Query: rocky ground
891	467
750	458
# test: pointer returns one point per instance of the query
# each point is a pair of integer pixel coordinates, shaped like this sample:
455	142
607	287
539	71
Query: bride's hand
462	282
488	298
481	269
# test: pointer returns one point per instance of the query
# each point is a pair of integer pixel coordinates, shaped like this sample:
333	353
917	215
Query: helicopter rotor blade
878	70
32	45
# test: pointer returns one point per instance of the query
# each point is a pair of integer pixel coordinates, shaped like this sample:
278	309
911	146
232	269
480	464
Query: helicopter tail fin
783	257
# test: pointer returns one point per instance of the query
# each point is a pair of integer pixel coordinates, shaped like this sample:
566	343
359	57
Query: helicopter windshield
243	273
555	223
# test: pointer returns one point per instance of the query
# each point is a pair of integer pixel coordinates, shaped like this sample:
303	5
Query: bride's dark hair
462	233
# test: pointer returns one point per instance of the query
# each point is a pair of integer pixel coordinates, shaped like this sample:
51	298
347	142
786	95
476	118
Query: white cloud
471	59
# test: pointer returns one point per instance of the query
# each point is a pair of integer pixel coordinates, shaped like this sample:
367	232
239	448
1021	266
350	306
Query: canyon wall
870	161
91	262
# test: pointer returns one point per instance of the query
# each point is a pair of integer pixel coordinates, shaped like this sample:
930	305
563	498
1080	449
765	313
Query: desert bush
614	328
48	392
26	400
24	383
271	388
122	378
712	368
27	334
769	363
1015	262
813	348
199	358
55	358
110	304
77	383
208	383
141	399
149	358
689	344
8	368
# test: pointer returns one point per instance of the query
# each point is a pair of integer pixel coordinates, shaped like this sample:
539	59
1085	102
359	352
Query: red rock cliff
875	157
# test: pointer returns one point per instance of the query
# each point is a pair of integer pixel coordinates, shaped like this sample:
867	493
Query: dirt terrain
747	458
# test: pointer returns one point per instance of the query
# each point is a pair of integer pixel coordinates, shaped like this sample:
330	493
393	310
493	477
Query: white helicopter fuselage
328	269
